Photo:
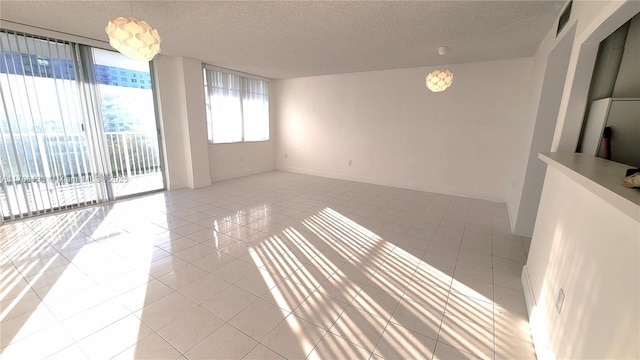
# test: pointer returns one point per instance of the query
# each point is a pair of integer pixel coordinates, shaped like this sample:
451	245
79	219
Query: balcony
62	173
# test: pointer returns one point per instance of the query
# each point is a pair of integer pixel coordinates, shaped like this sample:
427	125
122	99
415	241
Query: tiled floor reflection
270	266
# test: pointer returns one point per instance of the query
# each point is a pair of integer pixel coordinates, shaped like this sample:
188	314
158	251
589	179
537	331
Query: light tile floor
270	266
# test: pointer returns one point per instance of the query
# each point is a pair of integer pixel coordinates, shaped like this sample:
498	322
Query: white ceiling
296	39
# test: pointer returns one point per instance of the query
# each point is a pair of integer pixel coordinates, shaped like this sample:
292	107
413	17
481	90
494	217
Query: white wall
628	80
553	57
591	250
581	243
241	159
191	160
590	23
169	110
398	133
595	20
196	123
183	118
527	125
624	120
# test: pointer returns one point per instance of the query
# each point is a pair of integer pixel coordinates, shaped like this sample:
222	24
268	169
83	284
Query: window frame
207	67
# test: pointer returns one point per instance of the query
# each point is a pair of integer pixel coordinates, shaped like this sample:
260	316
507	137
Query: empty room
320	179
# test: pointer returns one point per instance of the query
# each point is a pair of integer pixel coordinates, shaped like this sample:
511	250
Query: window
237	107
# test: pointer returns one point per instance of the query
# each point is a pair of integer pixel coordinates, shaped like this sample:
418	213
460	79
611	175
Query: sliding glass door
129	125
46	162
77	126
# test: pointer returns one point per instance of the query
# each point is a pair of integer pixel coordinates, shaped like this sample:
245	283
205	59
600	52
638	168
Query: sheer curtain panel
237	107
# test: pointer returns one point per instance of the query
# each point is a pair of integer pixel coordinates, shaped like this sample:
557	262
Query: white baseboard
500	198
512	221
241	174
201	183
539	327
529	296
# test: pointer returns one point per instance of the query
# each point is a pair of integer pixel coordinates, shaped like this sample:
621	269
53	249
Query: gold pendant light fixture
439	79
133	37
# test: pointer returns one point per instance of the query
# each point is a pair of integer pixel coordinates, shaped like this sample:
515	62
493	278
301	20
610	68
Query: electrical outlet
349	162
560	301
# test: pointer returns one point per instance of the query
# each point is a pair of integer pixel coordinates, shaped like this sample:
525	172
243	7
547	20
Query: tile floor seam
447	301
392	313
334	322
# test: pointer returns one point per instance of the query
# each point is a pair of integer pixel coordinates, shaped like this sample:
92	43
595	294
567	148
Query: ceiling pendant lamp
439	79
134	38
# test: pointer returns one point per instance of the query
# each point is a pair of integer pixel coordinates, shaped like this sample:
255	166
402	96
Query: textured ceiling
295	39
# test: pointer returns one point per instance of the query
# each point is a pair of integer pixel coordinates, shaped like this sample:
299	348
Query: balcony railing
59	155
55	171
133	153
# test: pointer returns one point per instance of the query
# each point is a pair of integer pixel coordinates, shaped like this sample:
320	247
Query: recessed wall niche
612	122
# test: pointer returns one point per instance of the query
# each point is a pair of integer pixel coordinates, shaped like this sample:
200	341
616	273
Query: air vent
564	17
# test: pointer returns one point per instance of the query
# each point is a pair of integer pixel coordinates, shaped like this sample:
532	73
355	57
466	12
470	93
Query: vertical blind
77	126
44	153
237	107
